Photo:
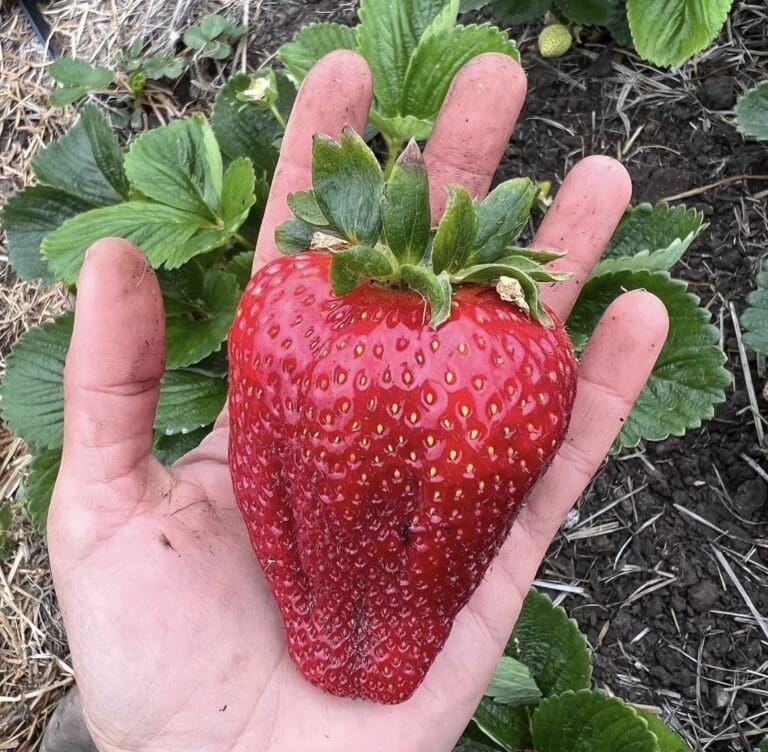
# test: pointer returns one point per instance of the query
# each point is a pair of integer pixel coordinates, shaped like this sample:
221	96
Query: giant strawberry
386	428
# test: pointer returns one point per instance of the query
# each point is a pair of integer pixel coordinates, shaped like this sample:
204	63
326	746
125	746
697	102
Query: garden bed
640	565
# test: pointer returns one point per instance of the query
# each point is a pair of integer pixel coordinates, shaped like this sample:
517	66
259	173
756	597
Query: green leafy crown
380	230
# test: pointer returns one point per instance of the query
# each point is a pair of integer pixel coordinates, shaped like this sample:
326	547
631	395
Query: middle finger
473	127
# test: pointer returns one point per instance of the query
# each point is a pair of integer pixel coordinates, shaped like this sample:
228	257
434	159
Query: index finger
335	93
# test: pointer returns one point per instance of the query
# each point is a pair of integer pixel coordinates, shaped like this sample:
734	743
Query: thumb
112	374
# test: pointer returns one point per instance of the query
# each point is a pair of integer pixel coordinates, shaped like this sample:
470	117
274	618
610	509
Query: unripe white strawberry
555	40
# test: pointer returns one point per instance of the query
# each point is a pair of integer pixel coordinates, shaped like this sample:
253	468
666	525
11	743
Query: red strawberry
379	463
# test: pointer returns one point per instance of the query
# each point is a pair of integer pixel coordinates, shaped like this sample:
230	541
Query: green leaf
427	83
189	401
66	95
666	739
133	53
85	162
244	129
755	319
356	265
512	684
240	267
304	205
402	127
658	261
32	395
509	727
179	165
169	449
651	237
501	218
534	254
217	50
165	64
509	266
293	236
167	236
6	538
618	26
195	38
525	294
588	12
470	745
589	720
467	5
520	11
406	216
28	217
213	25
668	32
238	193
348	186
137	81
551	646
688	379
313	42
200	304
213	29
763	746
456	232
434	288
44	470
387	36
752	112
77	72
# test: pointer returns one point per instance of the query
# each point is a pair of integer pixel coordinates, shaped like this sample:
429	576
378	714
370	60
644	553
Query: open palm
176	640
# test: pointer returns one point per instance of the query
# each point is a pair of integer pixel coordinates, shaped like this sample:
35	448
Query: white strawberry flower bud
258	90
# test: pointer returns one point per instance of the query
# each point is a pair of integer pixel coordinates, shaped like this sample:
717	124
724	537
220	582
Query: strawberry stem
382	223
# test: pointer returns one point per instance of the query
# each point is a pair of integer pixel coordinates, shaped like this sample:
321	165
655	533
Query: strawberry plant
541	696
752	112
754	320
212	38
664	32
414	49
191	195
752	121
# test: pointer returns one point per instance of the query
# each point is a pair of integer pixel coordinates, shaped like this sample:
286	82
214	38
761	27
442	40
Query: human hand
176	641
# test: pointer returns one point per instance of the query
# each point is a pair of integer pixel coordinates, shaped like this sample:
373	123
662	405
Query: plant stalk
393	151
242	241
280	119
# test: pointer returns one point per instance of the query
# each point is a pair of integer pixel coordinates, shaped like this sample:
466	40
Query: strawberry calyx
380	230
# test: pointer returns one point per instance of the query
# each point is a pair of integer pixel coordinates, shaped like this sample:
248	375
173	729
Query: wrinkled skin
176	641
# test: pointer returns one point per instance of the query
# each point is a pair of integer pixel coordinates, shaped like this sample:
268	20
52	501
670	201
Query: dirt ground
665	564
